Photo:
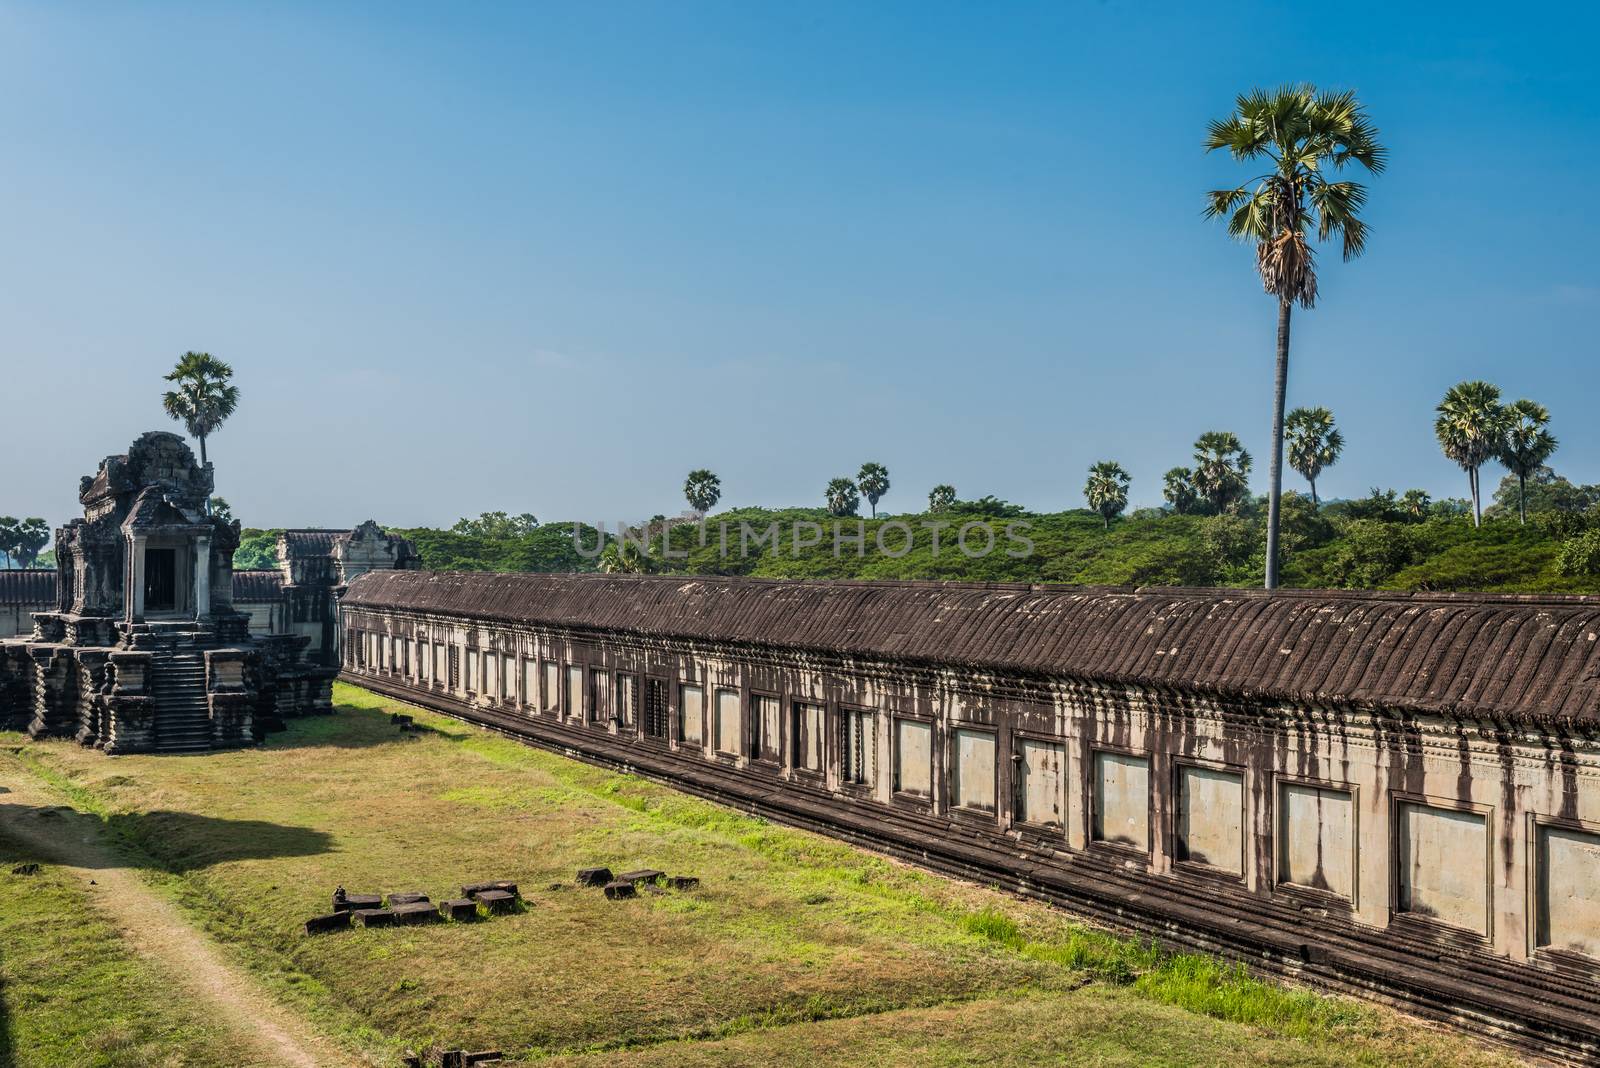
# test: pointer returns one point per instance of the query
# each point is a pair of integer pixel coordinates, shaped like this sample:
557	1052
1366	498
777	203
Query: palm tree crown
702	489
1107	490
203	399
873	482
1305	135
941	497
1314	443
1471	428
1221	468
1526	445
842	496
1177	486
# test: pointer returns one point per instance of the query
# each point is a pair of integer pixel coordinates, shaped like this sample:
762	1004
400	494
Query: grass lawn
71	994
793	944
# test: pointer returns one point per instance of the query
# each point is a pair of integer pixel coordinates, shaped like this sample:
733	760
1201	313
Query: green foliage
1580	555
550	547
22	539
257	551
1221	469
497	525
941	497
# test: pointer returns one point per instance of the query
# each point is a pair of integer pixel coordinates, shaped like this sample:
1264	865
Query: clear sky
548	257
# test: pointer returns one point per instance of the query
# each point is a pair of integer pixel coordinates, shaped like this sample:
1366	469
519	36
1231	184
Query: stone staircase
178	683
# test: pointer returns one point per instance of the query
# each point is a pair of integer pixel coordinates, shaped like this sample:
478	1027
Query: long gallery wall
1392	795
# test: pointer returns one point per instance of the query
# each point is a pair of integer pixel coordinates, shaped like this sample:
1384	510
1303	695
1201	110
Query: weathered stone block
497	901
410	898
594	876
472	889
333	921
643	875
620	889
354	902
375	917
460	909
416	912
683	882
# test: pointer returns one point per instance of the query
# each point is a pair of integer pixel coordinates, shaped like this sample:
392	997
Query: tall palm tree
1526	446
873	482
1471	428
1178	488
1107	490
203	399
842	497
702	489
1221	468
941	497
1314	443
1305	135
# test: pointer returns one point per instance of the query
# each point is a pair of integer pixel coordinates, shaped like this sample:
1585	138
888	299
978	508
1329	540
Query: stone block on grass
354	902
333	921
416	912
407	899
643	875
594	876
499	884
497	901
375	917
459	909
619	889
683	882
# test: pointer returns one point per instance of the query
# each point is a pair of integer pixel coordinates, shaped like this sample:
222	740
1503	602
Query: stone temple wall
1389	795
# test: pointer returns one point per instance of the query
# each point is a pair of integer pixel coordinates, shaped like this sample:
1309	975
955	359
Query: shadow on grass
349	727
176	842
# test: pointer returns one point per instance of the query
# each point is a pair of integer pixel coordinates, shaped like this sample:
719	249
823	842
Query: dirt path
33	814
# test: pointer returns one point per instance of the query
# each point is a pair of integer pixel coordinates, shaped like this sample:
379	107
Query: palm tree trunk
1275	493
1314	501
202	450
1522	497
1477	511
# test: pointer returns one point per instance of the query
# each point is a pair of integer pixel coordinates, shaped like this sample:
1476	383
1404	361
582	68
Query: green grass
792	939
72	994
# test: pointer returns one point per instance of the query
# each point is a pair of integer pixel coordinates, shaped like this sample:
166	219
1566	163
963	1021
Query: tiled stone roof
1529	657
33	586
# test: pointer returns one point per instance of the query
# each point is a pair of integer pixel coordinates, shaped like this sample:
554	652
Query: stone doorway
160	580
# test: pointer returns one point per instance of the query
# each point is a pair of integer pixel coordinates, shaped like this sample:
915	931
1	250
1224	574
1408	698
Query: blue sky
549	257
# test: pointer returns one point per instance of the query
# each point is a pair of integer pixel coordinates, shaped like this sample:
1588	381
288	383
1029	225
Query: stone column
202	577
136	578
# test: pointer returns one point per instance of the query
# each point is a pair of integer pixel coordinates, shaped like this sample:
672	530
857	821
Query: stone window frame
647	679
921	802
627	720
547	706
1533	878
791	712
738	756
676	712
1448	932
595	680
574	706
1030	828
843	712
1184	864
1296	892
1144	856
952	775
753	734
